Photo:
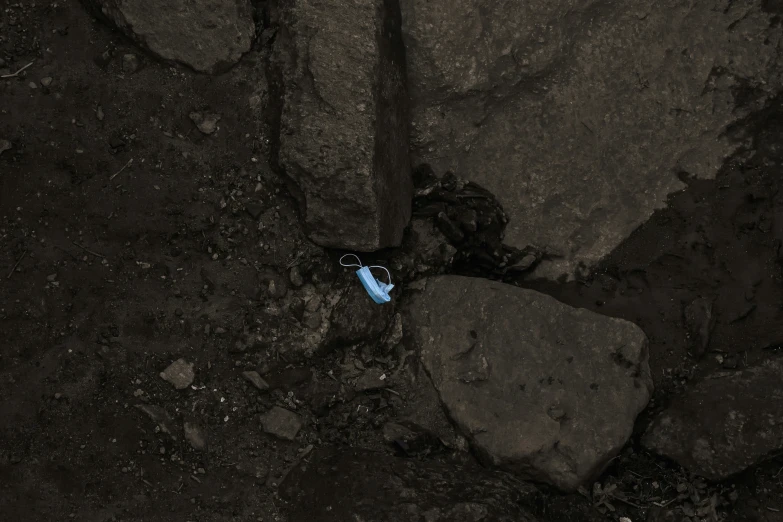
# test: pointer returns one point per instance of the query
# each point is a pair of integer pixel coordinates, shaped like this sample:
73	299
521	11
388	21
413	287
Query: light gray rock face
344	123
539	388
206	35
724	424
579	115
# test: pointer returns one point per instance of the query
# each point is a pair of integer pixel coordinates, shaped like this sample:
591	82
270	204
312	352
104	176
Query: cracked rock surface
539	388
580	115
724	424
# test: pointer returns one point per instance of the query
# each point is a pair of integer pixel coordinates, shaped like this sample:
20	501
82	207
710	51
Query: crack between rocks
306	65
471	445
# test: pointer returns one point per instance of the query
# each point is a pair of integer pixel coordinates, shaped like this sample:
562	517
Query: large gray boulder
579	115
724	424
539	388
341	486
207	35
344	122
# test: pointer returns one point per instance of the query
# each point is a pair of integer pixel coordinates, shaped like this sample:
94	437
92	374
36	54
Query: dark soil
130	239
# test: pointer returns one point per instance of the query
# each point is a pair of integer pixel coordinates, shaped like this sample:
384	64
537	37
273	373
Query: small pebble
281	423
33	85
46	82
51	277
526	262
256	380
296	277
130	63
206	123
195	436
312	320
372	379
314	304
179	373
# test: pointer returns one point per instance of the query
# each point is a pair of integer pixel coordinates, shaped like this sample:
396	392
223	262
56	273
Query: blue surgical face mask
378	290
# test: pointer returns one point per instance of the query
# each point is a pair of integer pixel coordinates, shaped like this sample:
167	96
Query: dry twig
14	75
123	168
96	254
17	264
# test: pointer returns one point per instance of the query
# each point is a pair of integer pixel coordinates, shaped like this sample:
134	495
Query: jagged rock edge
274	112
219	69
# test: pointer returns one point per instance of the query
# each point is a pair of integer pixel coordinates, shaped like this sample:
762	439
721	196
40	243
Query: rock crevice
343	123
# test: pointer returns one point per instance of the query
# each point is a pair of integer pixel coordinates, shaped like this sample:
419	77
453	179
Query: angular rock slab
283	424
539	388
578	114
206	35
179	373
344	122
724	424
363	485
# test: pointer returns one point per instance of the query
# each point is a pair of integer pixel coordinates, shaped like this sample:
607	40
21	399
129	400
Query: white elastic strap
351	255
383	268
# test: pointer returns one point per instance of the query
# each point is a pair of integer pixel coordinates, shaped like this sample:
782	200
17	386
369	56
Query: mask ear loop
383	268
351	255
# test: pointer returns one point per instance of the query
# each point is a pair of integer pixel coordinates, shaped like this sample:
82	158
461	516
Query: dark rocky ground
132	238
